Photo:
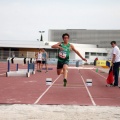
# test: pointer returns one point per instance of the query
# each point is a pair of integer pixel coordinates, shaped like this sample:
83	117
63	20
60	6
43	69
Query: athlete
39	60
44	59
64	49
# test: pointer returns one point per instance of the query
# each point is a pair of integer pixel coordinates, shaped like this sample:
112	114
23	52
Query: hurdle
48	81
89	82
21	72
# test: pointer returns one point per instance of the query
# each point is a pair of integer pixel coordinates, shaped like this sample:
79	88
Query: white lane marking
46	91
98	74
81	67
91	98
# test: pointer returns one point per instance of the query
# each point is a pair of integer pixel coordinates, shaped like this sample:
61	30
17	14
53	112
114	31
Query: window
99	54
104	54
86	53
53	53
93	54
87	57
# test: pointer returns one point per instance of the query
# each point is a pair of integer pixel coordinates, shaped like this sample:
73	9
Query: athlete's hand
112	64
84	59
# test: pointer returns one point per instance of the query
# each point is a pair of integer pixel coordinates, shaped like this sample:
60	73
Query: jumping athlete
64	49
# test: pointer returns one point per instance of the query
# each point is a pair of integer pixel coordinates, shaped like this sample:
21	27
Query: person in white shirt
44	59
116	62
39	60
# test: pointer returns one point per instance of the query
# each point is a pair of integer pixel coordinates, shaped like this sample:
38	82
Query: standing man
39	60
63	56
44	59
116	62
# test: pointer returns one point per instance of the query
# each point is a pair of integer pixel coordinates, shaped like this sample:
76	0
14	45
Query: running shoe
65	82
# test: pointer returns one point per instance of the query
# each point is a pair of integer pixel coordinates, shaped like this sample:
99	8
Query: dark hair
113	42
65	34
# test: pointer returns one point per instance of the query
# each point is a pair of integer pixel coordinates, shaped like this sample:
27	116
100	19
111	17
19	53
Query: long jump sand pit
58	112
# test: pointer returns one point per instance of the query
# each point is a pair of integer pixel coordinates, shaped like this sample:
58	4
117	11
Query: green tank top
63	55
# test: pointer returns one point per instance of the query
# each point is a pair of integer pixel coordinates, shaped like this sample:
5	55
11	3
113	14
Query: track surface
33	90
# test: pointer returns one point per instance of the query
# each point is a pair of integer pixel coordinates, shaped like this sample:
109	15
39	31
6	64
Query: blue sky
22	19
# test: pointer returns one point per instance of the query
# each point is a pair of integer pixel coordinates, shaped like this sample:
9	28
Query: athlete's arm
113	59
78	53
57	46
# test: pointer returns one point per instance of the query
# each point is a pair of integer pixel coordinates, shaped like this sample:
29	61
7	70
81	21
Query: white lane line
98	74
46	91
81	67
91	98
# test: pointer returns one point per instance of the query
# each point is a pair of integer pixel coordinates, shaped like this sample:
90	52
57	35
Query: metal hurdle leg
8	65
17	67
28	73
33	68
28	66
8	68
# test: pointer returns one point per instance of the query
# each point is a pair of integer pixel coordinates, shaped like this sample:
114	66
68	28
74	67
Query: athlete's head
40	50
65	37
113	43
43	49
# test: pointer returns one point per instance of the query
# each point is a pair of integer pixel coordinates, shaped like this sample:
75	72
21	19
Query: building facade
101	38
30	48
10	48
90	43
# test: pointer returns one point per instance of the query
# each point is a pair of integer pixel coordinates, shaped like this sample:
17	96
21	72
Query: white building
23	48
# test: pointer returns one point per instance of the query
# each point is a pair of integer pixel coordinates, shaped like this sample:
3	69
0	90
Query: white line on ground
92	100
46	91
98	74
80	67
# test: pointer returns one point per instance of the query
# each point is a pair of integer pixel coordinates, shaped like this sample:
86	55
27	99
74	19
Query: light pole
41	37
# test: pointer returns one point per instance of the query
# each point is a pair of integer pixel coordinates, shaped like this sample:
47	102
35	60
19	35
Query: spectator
115	62
44	59
95	61
39	60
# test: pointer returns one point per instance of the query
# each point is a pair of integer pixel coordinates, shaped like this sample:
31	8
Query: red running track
33	90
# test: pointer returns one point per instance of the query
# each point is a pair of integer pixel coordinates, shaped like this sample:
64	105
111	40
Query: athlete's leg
41	66
65	68
46	67
60	71
42	63
59	68
37	65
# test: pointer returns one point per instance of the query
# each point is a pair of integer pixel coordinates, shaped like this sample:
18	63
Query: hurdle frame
27	74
